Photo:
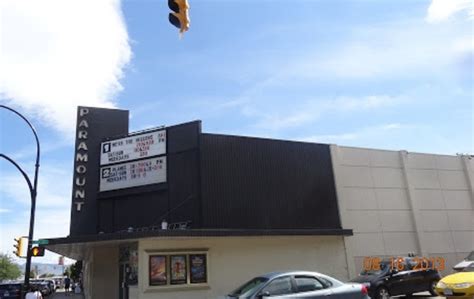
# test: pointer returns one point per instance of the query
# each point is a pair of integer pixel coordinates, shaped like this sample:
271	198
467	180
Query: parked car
51	284
11	290
298	284
388	281
43	287
464	263
458	284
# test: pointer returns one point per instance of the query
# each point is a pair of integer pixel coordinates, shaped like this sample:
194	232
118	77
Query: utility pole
33	191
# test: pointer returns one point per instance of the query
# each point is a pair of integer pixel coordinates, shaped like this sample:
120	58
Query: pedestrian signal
37	251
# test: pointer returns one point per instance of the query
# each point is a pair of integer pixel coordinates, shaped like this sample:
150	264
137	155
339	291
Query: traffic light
179	17
37	251
19	245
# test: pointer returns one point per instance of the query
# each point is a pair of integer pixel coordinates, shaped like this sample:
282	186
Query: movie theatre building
173	212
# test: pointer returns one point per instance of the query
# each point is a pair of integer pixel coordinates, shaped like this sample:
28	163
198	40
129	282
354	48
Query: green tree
75	270
67	272
8	268
33	274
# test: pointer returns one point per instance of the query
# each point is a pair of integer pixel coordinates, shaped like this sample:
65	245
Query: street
420	295
60	294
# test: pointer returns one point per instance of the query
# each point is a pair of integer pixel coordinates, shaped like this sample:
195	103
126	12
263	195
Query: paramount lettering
80	181
81	169
83	124
79	205
82	158
83	111
80	194
82	135
82	146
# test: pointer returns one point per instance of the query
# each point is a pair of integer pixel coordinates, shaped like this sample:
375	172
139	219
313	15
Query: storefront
185	214
177	213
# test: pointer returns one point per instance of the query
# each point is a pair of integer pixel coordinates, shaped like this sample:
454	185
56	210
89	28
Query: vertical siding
267	184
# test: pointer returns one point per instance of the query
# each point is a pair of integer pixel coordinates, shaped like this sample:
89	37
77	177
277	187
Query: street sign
40	242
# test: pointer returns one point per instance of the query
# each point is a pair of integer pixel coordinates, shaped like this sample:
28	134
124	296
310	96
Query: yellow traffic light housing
20	244
37	251
179	17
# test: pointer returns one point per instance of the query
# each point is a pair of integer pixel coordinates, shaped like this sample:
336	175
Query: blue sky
381	74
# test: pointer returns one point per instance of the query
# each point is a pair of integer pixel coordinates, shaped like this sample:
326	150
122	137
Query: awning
76	246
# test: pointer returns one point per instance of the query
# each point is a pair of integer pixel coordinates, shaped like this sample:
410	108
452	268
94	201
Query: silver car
466	262
298	284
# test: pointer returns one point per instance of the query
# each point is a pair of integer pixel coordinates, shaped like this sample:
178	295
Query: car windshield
470	257
248	286
383	267
469	268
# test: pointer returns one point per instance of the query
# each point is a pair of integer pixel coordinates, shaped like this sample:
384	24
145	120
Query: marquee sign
133	147
133	174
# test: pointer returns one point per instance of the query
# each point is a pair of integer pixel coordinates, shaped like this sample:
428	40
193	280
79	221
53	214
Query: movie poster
158	275
178	269
198	268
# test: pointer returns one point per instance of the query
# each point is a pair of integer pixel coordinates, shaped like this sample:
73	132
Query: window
327	283
279	286
177	269
249	287
308	284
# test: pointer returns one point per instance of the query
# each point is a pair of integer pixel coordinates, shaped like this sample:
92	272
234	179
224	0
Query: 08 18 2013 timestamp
372	263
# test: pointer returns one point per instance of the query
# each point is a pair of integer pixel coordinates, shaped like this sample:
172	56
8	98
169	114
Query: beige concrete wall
104	278
87	266
399	202
234	260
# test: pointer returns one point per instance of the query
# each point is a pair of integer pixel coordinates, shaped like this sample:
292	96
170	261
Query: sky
368	73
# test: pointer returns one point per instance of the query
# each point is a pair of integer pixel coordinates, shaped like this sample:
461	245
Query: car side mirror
263	295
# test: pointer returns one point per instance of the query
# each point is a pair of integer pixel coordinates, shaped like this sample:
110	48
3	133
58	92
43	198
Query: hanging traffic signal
37	251
19	245
179	18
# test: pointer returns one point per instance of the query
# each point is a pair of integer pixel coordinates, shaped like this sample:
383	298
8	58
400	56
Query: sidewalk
61	295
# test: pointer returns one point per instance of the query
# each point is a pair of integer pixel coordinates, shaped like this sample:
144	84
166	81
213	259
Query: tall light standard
33	189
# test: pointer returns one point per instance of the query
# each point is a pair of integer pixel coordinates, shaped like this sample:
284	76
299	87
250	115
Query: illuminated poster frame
133	147
133	174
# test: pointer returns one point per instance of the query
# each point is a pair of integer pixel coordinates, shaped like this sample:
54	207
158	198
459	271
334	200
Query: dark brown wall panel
266	184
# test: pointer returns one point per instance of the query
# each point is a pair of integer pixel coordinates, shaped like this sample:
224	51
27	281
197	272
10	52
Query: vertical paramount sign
93	126
82	158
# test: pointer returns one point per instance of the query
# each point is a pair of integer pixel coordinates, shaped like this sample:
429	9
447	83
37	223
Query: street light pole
33	192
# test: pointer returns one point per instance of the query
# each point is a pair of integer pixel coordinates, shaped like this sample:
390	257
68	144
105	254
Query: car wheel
432	289
382	293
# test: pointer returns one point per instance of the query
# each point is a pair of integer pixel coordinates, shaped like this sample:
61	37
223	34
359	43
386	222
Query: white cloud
361	135
53	186
49	223
405	50
307	112
4	211
441	10
58	54
52	209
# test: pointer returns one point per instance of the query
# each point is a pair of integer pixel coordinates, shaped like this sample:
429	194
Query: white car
468	260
